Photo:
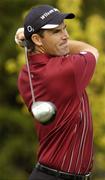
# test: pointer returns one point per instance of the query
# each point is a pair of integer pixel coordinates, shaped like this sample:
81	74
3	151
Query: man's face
55	41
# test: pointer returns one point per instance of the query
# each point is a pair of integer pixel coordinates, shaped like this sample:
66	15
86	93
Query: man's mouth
64	44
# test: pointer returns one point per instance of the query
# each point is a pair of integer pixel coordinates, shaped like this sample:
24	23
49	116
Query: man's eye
57	31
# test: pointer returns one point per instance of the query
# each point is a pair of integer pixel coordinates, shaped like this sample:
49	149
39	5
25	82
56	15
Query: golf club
43	111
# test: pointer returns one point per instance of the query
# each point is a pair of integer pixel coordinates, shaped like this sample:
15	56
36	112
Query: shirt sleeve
83	66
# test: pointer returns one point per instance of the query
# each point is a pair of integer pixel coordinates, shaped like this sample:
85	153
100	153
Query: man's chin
61	53
64	53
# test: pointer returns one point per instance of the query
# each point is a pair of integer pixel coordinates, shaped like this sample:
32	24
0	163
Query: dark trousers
38	175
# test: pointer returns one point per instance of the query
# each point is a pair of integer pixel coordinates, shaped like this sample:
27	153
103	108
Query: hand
19	37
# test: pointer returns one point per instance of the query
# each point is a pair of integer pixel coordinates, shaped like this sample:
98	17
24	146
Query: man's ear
36	39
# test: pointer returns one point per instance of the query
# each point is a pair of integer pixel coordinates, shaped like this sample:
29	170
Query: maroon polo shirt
67	143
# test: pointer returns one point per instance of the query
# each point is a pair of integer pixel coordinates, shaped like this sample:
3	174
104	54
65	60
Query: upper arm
94	51
83	66
78	46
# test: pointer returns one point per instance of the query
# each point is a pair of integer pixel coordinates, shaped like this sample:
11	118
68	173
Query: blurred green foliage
18	141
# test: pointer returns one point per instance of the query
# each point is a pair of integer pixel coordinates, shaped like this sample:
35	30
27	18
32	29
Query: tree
18	142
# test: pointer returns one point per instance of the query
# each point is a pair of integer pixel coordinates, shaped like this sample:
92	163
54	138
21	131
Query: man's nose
65	35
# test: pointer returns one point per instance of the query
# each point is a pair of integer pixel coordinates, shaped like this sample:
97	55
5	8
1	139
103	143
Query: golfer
61	69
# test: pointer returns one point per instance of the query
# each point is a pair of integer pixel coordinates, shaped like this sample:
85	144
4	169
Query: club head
43	111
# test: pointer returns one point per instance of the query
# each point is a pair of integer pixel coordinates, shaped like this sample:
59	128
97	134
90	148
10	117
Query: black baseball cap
43	17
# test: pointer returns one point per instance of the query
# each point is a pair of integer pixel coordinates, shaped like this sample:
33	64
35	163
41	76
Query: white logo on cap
30	29
48	13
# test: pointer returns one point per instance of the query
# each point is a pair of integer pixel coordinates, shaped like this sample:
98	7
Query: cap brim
55	22
69	16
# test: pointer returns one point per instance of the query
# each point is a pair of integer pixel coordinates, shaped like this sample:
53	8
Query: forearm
78	46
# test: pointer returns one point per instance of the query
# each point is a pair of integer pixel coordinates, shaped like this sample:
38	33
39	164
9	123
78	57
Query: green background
18	141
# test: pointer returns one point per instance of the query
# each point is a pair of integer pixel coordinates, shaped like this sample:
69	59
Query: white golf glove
19	37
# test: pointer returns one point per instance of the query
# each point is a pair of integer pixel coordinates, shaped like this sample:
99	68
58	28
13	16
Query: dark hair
30	43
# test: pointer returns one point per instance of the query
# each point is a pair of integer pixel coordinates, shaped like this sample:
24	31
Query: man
60	69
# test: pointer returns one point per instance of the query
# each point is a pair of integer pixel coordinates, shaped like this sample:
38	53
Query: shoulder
23	74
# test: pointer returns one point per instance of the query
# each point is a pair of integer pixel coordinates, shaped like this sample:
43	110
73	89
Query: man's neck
39	50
